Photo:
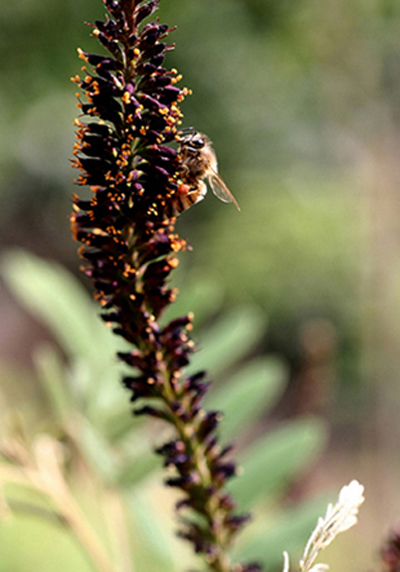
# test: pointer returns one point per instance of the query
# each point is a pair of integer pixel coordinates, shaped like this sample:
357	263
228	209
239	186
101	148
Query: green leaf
278	458
81	378
138	469
109	395
196	289
229	340
248	393
51	373
289	531
97	451
24	494
119	422
30	544
59	301
152	529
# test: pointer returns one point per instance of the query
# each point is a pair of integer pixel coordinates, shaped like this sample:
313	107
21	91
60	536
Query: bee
199	162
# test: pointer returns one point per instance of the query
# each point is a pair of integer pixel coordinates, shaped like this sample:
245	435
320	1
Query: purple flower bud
145	10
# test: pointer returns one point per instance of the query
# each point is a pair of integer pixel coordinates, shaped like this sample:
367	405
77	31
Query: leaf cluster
104	446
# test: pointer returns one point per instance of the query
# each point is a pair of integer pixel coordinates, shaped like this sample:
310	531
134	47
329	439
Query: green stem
187	433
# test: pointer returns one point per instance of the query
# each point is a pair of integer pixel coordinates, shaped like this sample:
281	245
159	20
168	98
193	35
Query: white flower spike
338	518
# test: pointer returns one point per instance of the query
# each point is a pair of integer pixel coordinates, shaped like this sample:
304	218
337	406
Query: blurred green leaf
289	530
51	373
110	395
81	378
230	339
119	421
138	469
29	544
197	289
152	529
270	465
58	300
248	393
21	493
97	451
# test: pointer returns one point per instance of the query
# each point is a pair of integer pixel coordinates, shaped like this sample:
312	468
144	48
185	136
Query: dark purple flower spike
129	244
390	552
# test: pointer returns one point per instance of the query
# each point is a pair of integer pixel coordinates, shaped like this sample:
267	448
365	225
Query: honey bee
199	162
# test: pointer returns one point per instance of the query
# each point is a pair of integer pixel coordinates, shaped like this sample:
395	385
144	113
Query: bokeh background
301	100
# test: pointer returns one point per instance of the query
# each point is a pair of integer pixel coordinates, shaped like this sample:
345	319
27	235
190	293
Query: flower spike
130	116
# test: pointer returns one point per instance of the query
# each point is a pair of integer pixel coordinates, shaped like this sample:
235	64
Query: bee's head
192	140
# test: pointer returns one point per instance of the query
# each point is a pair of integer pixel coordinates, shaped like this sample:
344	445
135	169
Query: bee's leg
201	192
184	171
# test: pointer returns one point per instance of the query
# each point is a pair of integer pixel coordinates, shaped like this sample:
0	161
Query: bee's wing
220	190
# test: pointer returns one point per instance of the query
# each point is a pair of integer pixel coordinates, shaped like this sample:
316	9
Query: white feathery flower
319	568
338	518
286	565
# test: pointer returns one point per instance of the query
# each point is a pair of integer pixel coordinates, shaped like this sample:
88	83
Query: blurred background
301	100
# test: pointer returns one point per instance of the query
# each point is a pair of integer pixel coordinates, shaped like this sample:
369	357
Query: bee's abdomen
182	202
